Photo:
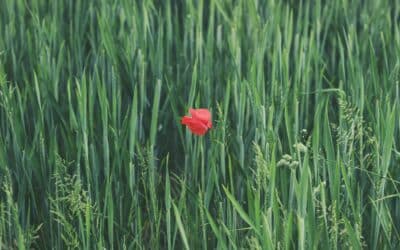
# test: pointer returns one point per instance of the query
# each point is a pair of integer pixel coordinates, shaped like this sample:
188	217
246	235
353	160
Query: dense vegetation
303	154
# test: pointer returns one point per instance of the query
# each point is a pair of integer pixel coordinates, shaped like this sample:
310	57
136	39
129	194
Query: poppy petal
203	115
198	128
199	122
186	120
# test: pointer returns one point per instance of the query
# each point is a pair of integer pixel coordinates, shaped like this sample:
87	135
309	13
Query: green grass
304	152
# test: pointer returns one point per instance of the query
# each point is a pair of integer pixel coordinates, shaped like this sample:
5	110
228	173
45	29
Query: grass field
304	152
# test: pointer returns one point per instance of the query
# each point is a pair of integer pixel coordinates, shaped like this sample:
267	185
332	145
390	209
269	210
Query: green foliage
303	154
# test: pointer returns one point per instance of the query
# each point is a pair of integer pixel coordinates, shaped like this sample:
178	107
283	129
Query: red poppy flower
200	121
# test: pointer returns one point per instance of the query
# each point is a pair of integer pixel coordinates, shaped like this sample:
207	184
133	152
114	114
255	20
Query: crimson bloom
200	121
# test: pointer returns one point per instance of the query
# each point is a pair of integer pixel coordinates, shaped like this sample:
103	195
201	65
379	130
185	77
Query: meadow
304	152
